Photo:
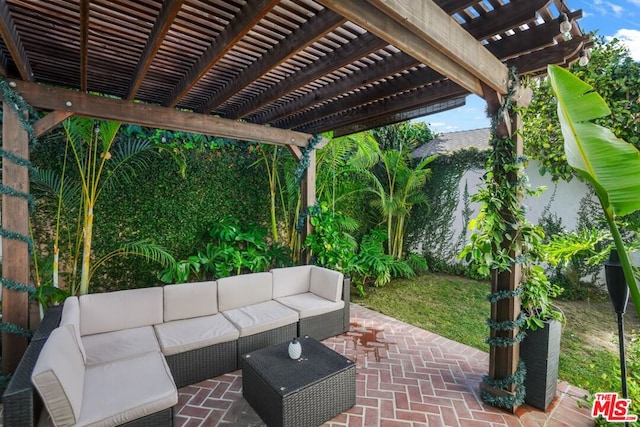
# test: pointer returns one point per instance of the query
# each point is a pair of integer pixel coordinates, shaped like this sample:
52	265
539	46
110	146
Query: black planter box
540	351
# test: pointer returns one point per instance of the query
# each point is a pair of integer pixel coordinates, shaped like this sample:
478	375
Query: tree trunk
86	254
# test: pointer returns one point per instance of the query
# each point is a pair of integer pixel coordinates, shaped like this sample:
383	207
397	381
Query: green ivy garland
506	401
18	105
309	212
305	159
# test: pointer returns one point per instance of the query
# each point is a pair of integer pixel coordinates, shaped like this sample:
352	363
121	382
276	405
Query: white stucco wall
565	205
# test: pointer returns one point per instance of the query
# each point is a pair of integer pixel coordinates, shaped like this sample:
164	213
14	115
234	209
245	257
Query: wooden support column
503	361
15	253
308	198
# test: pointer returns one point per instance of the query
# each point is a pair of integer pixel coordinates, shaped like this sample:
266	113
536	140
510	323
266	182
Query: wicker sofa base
322	326
201	364
266	339
22	404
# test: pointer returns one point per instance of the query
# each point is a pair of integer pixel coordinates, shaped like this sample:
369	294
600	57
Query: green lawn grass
457	308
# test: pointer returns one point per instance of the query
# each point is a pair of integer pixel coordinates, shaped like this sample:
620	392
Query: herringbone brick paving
421	380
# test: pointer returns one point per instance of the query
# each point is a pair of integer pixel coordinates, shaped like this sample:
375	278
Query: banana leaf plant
609	164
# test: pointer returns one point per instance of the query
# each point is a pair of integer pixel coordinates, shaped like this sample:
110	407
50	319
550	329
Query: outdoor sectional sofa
118	358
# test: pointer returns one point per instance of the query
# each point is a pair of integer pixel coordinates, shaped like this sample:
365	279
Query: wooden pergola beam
407	39
51	98
308	33
13	43
84	43
252	12
50	121
455	6
528	40
511	15
441	32
559	54
167	15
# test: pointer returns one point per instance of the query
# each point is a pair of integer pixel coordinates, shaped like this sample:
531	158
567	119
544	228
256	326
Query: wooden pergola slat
406	40
14	43
84	44
252	12
350	52
308	33
417	98
388	119
372	73
402	83
168	13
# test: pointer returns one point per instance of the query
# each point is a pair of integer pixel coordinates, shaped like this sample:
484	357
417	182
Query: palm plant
399	190
101	160
609	164
341	165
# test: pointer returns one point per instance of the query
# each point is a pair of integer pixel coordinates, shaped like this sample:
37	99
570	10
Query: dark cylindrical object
616	283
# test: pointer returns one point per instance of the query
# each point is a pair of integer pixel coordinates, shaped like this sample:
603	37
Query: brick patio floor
421	380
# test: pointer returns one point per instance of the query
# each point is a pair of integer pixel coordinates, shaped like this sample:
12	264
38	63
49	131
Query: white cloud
437	124
616	9
636	2
631	39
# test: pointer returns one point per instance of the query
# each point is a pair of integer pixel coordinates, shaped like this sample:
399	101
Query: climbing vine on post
506	246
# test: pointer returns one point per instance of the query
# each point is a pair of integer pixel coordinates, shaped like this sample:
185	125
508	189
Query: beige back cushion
59	376
291	280
113	311
326	283
189	300
243	290
71	316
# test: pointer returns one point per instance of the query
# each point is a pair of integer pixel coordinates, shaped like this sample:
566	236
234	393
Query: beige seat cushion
110	346
309	304
246	289
114	311
59	376
188	300
189	334
291	280
261	317
71	316
127	389
326	283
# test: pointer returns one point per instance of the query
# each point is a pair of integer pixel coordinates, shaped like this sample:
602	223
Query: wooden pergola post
308	198
15	253
503	360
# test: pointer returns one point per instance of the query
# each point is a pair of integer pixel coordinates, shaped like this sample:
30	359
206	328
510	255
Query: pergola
274	71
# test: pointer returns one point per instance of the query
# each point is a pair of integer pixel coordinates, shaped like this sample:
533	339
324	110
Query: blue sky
615	18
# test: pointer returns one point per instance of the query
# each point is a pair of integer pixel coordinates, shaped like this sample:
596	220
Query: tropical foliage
609	164
232	249
615	76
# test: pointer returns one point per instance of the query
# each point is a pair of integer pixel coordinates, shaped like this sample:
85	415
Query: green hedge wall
173	211
176	212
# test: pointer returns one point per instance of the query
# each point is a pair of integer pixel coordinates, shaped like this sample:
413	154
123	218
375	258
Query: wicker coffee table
298	393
